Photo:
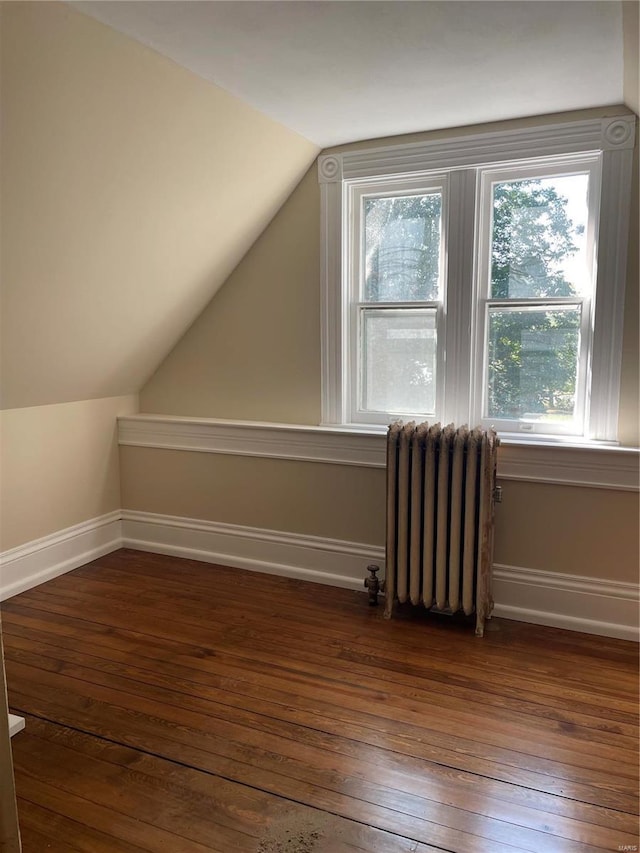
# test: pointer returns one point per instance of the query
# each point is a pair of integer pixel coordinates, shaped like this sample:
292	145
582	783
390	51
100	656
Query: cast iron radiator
441	492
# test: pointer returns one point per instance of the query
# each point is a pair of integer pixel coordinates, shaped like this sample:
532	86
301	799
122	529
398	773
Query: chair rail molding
590	465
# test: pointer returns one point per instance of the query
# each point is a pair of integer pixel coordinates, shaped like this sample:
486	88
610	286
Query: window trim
612	136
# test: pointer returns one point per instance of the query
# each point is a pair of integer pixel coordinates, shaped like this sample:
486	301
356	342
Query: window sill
593	465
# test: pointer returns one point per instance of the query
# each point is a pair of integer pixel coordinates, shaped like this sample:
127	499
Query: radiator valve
372	584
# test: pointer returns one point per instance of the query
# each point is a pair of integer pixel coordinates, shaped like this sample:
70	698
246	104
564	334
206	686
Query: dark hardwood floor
180	707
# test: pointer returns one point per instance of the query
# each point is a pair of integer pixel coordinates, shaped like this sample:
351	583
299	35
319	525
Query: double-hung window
478	280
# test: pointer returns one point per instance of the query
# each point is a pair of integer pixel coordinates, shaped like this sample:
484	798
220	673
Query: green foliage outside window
532	355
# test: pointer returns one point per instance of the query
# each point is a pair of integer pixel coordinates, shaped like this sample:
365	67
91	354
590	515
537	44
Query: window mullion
458	306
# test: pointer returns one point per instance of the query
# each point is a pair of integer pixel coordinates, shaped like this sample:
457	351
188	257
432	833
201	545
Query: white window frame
357	191
465	158
589	164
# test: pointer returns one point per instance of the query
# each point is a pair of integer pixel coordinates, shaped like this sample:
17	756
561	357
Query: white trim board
592	466
303	442
42	559
16	724
613	133
594	606
311	558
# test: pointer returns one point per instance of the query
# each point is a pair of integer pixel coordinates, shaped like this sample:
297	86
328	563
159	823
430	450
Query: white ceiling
337	72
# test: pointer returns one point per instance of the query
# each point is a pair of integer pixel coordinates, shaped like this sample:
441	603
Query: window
469	280
536	285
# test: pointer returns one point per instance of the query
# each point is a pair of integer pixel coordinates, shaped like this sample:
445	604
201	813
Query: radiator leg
372	584
490	609
480	617
389	602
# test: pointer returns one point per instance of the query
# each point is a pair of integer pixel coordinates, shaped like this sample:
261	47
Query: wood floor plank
405	825
66	631
255	812
586	752
445	699
242	727
410	778
178	693
244	678
125	830
37	842
170	679
43	829
568	762
410	791
534	639
347	655
192	604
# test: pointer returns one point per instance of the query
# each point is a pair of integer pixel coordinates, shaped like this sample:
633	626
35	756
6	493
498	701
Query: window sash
532	425
370	416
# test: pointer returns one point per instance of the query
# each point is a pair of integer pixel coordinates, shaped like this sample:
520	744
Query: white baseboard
310	558
594	606
591	605
42	559
16	724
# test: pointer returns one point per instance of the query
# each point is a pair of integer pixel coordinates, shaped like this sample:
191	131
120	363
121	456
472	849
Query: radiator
441	488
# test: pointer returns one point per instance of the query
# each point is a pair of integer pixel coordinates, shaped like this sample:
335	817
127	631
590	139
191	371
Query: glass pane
539	245
402	248
399	361
533	357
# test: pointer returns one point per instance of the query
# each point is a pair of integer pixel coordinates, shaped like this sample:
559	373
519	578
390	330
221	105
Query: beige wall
58	466
131	188
581	531
629	424
254	352
336	501
577	530
629	415
631	45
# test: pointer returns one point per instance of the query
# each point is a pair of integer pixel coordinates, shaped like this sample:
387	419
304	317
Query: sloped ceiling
337	72
131	188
